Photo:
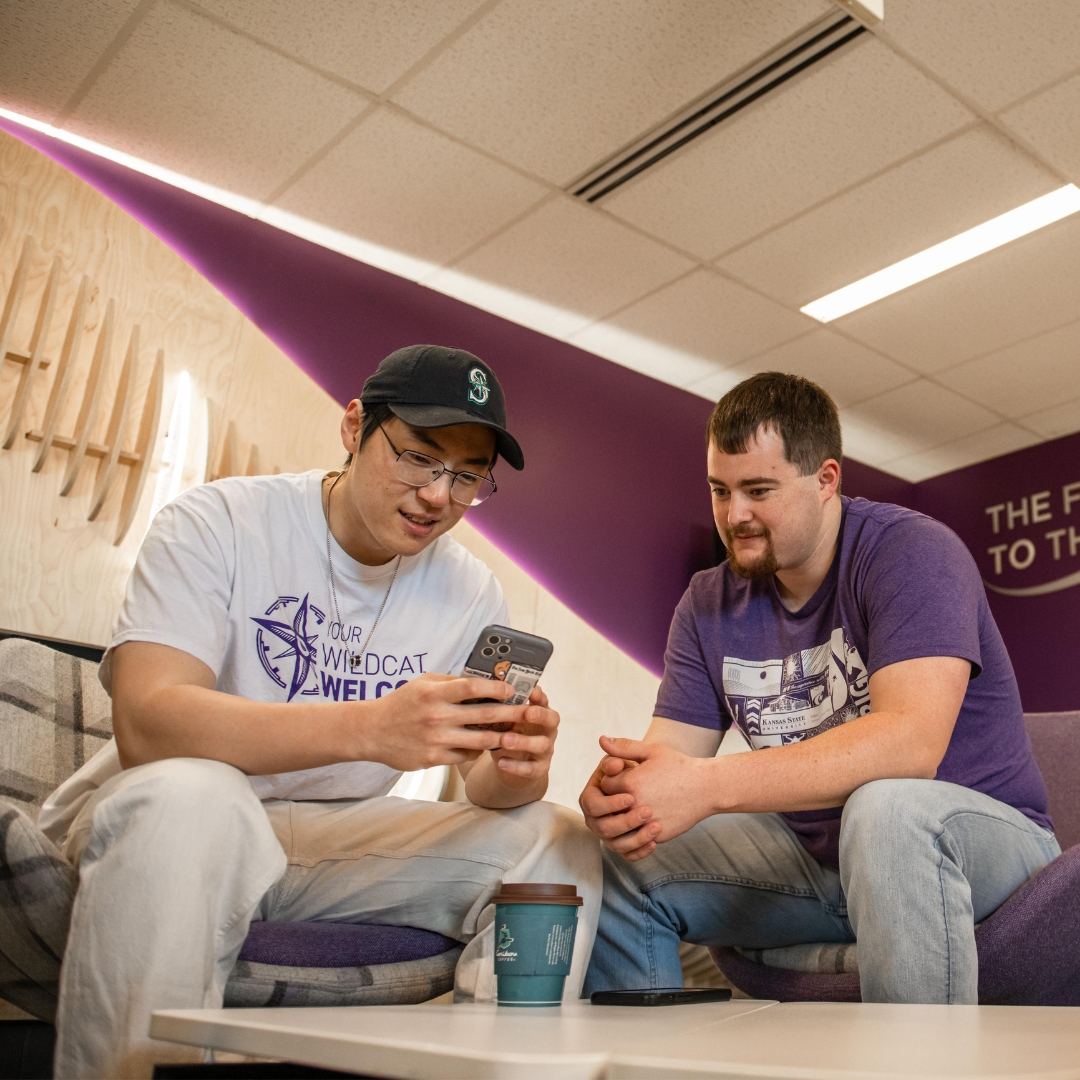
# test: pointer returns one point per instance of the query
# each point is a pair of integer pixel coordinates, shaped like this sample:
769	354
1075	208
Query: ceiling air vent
817	41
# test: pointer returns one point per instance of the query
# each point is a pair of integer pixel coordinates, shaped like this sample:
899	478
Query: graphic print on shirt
320	654
775	702
299	643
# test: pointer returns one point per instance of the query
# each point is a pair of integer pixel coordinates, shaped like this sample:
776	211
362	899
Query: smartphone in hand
510	656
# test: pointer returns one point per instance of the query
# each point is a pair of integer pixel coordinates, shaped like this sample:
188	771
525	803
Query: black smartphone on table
511	656
661	996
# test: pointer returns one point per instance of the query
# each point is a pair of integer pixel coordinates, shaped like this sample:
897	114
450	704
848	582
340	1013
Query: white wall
596	688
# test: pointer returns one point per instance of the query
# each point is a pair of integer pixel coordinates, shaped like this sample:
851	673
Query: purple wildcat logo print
300	643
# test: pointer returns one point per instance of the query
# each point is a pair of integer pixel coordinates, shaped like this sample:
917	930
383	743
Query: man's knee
176	797
887	803
553	822
554	826
884	815
194	785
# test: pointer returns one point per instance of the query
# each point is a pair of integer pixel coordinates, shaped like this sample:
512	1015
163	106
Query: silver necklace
355	659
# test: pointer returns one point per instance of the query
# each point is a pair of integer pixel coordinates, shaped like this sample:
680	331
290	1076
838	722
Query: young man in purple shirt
897	802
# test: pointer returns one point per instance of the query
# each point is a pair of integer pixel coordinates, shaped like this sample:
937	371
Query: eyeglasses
419	470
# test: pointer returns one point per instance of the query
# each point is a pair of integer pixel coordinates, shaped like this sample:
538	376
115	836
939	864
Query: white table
815	1040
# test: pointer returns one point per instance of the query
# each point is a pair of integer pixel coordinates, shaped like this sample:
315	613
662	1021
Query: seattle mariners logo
299	643
479	391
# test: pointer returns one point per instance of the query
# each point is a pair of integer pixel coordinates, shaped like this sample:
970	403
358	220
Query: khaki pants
176	858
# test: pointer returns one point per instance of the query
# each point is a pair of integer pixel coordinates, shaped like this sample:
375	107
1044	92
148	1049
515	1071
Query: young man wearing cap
892	796
288	645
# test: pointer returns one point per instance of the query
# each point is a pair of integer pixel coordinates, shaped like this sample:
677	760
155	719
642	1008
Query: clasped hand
642	794
423	723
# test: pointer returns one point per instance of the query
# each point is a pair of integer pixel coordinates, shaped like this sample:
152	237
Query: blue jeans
921	862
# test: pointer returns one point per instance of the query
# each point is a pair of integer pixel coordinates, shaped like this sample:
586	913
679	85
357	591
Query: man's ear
829	478
350	426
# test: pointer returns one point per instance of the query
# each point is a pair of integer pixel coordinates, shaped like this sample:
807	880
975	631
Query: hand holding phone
511	656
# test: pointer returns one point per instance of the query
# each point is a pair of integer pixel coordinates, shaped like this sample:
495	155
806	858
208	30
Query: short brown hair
798	410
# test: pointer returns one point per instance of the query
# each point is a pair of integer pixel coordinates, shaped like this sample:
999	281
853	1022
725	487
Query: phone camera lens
487	652
493	641
504	649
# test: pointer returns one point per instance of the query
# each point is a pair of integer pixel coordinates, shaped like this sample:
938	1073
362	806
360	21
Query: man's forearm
489	786
256	737
823	771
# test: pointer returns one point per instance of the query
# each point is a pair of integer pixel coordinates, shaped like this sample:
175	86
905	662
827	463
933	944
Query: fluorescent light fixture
870	12
949	253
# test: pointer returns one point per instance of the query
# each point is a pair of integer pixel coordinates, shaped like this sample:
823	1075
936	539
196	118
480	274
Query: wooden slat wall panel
60	575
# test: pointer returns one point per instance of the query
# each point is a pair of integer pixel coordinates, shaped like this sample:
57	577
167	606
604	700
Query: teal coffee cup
534	942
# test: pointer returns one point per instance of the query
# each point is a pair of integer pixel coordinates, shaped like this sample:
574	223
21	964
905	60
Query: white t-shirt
236	574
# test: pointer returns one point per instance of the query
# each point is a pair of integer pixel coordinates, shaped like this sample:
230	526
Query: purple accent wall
612	512
1037	547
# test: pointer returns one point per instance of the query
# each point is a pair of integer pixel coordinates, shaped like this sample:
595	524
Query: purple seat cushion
783	984
1029	951
339	945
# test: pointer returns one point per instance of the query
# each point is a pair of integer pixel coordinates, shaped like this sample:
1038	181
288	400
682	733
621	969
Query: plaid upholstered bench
54	716
1029	949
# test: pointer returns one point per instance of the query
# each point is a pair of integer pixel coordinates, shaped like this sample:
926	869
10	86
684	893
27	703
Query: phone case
664	996
510	656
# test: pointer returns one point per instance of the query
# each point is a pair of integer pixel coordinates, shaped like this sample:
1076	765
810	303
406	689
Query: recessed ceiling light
949	253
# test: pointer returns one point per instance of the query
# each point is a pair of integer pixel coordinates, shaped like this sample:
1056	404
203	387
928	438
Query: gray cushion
37	890
827	958
54	716
1055	739
406	983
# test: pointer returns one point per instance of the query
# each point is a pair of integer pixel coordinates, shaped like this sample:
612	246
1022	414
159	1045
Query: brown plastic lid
532	893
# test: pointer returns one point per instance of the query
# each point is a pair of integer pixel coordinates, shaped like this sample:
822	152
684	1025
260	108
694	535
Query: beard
764	566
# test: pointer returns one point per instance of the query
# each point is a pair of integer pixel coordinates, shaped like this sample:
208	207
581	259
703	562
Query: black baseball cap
432	386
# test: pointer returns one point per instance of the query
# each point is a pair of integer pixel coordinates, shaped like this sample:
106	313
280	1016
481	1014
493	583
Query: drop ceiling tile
951	187
1025	377
570	256
368	42
994	52
518	307
850	372
1024	288
674	366
982	446
866	442
918	416
715	386
189	95
46	50
850	116
1056	421
1050	122
556	87
398	183
707	316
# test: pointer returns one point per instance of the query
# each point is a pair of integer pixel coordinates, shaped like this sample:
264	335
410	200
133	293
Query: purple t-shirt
901	586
